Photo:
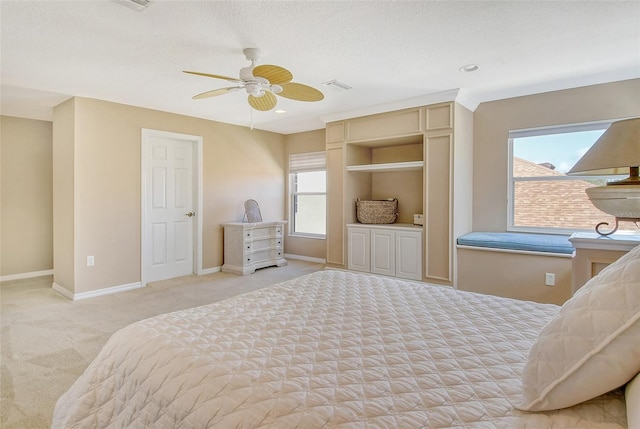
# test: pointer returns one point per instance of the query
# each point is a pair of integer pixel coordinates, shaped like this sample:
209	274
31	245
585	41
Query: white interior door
169	209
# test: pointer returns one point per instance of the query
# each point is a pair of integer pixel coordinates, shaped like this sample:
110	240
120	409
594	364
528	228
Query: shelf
388	141
403	226
392	166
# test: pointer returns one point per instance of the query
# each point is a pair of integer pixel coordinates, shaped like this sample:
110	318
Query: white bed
331	349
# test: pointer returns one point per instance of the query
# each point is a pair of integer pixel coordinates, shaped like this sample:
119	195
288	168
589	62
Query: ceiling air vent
337	85
134	4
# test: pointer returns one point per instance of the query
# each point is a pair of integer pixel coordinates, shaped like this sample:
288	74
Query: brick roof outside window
555	204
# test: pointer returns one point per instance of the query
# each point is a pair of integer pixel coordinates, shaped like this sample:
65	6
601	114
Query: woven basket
377	211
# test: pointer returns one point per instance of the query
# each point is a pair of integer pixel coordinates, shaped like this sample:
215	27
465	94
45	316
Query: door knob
191	214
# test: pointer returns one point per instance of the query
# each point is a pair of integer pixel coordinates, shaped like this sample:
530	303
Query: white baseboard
26	275
305	258
206	271
341	269
94	293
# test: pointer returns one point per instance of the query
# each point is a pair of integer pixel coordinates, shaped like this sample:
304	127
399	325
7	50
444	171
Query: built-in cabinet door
409	255
383	252
359	248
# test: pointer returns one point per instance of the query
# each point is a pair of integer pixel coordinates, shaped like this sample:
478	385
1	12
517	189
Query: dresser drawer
263	255
259	233
261	244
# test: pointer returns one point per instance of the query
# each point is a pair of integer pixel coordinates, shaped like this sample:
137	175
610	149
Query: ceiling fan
261	82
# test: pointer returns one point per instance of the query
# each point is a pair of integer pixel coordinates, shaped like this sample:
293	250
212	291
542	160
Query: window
542	198
308	190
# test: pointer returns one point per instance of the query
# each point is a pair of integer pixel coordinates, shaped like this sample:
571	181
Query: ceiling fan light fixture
246	73
254	89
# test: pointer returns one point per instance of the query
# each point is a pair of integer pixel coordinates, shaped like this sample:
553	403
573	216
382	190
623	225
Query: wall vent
134	4
337	85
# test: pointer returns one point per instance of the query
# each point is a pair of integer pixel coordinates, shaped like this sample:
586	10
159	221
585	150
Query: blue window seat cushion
550	243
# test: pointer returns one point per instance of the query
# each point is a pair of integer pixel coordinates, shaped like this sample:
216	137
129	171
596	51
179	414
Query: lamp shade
614	152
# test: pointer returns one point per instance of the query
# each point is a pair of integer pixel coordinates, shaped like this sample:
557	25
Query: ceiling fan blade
216	76
265	102
274	74
300	92
216	92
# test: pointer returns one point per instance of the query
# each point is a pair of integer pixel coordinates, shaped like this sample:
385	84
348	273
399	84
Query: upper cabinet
439	117
385	128
335	133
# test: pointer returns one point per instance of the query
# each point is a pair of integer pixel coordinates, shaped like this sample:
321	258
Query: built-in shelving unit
419	156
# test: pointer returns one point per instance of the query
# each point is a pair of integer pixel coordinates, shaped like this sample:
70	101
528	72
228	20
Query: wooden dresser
249	246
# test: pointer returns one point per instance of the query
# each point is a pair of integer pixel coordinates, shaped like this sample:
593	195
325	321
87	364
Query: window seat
518	241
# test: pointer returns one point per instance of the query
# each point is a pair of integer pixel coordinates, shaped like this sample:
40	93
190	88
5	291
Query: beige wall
26	204
514	275
493	120
63	194
238	164
311	141
521	276
96	176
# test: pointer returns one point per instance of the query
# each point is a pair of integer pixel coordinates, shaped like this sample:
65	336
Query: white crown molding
467	100
458	95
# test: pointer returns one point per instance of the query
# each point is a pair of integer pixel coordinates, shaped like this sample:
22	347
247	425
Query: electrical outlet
550	279
90	261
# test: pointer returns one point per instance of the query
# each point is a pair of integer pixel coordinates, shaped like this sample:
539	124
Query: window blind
309	161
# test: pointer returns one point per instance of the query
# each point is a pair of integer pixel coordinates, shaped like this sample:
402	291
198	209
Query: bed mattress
332	349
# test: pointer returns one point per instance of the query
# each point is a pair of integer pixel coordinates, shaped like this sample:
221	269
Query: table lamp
617	151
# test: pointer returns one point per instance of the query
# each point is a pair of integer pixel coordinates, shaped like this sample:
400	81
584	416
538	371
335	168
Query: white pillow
632	398
592	346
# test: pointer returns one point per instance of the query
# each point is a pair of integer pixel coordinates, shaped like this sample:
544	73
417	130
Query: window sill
311	236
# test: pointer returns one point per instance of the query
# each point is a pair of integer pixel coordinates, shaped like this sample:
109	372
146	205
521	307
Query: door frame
145	138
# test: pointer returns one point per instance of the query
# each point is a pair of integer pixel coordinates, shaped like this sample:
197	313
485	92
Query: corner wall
26	201
64	195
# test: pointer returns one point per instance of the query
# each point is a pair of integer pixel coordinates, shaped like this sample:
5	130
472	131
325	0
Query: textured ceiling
389	51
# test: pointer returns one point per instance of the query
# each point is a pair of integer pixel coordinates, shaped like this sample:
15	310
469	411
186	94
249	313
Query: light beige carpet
47	341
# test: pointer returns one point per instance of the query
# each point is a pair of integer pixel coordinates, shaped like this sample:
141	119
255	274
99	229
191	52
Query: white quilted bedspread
331	349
